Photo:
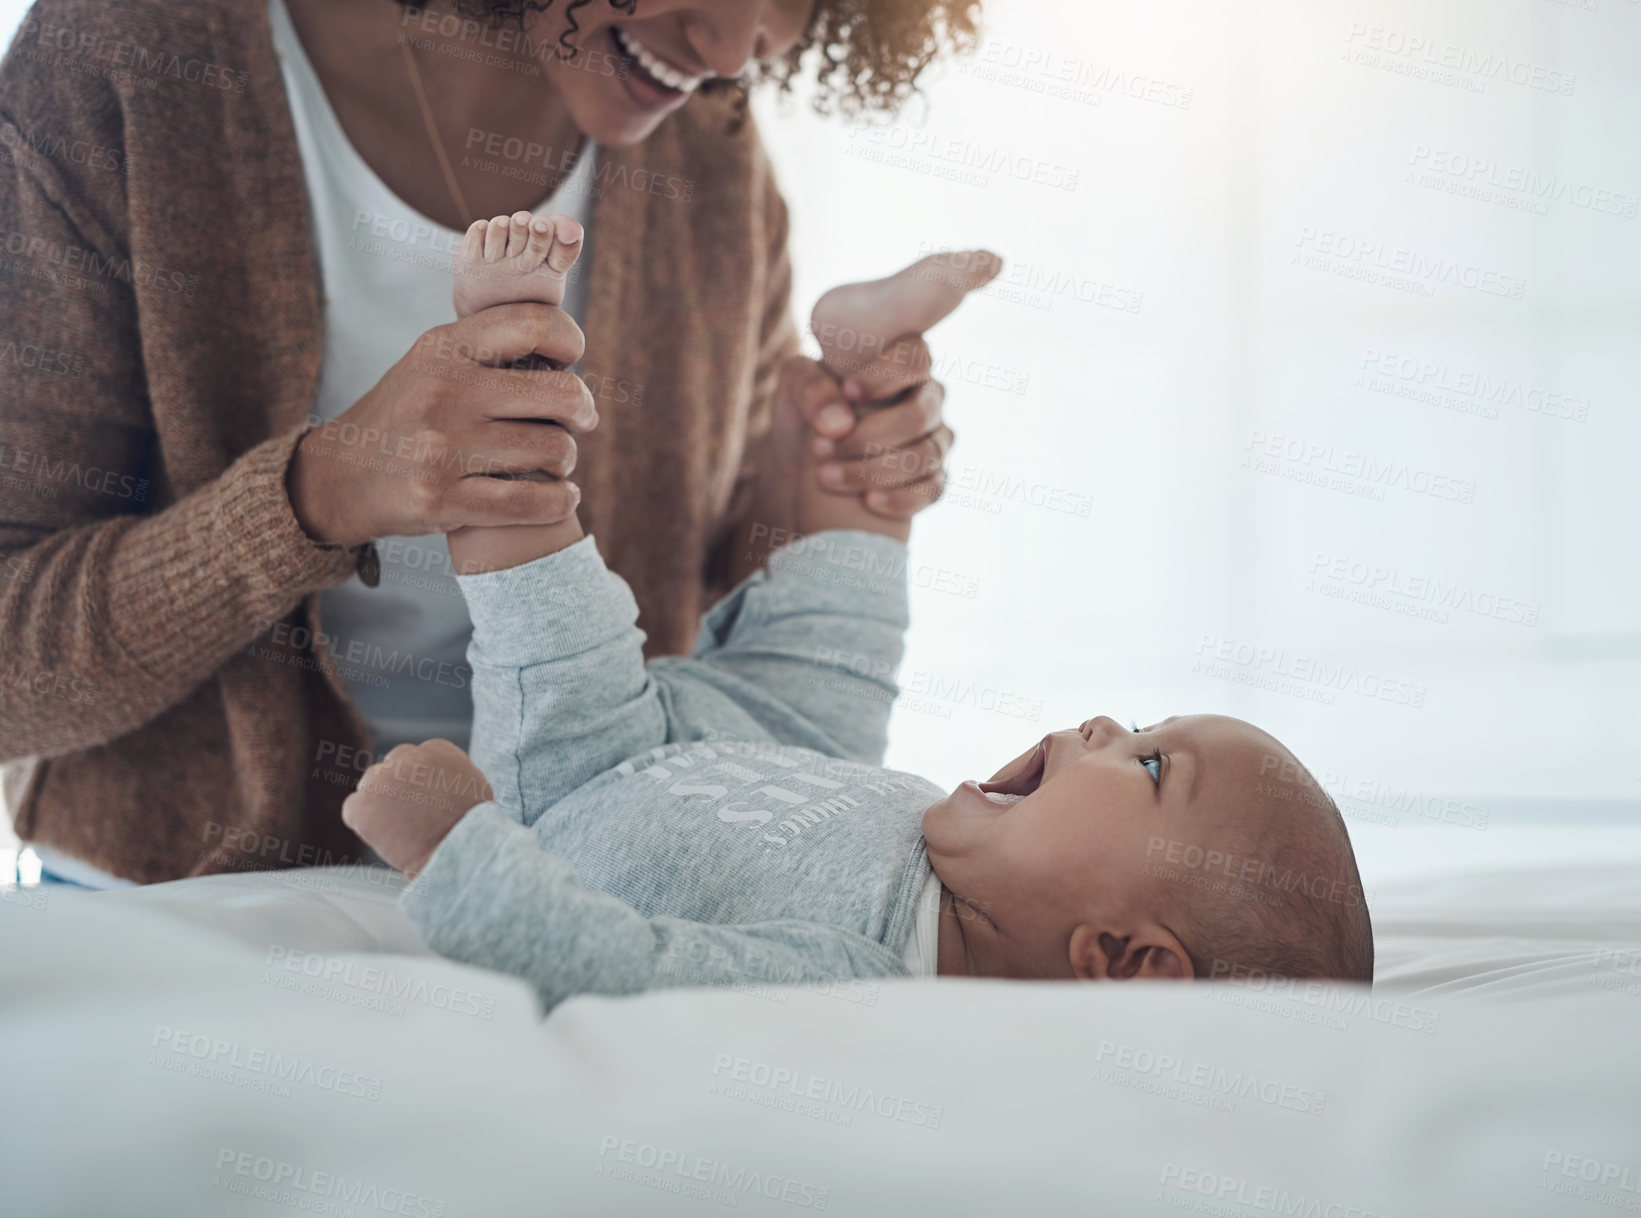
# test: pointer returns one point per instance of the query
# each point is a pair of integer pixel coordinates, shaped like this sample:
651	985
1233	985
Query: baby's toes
472	246
549	275
541	240
495	238
567	235
518	234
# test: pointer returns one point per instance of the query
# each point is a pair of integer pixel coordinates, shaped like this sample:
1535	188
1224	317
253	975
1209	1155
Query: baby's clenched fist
409	801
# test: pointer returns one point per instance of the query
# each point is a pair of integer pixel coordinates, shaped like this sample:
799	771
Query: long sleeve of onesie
803	655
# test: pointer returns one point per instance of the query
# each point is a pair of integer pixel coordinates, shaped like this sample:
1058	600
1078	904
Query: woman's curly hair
865	55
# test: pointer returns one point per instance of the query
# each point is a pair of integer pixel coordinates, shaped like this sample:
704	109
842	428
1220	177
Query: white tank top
401	648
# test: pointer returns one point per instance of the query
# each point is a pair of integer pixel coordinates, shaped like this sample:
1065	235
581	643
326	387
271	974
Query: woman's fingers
889	468
508	333
476	353
501	395
903	503
503	501
891	427
522	448
451	435
906	363
817	395
890	444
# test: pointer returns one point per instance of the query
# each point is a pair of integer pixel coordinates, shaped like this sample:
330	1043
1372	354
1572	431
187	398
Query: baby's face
1064	835
611	88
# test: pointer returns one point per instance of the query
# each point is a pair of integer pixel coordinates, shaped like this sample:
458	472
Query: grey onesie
709	820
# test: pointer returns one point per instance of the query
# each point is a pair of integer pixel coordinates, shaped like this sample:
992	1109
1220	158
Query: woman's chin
611	127
606	115
614	129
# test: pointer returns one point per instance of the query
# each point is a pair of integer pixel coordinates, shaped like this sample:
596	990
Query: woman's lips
642	85
664	72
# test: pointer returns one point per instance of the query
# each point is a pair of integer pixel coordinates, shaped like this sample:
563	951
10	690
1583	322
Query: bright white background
1198	211
1202	209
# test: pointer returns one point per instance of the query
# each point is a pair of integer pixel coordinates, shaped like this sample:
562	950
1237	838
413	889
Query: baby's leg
508	260
515	258
859	326
859	322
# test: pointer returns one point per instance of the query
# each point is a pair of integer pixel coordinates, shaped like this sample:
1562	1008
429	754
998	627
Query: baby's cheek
1072	848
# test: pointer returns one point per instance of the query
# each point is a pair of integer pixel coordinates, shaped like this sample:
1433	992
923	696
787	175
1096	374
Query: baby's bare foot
858	322
515	258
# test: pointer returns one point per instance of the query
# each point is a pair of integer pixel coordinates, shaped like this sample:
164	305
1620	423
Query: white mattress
1495	1069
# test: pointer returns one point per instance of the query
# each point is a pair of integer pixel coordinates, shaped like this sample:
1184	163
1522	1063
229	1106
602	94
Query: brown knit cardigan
160	341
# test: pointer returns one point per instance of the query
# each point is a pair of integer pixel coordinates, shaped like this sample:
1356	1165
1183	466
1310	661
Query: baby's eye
1155	760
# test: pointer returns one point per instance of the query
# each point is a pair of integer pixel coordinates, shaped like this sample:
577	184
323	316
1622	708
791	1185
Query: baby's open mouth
1013	789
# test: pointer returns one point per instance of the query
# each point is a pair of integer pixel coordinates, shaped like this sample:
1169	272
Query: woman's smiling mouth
661	73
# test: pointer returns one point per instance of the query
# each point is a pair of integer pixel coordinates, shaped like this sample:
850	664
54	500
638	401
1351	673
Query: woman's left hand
872	410
878	431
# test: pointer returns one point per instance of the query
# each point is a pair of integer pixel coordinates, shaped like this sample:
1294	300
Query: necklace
433	131
450	182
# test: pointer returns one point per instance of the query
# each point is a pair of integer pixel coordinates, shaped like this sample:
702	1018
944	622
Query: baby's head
1194	848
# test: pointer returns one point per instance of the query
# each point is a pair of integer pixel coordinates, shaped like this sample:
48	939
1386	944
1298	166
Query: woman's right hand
422	451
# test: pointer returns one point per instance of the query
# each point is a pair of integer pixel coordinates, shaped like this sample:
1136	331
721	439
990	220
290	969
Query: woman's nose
726	35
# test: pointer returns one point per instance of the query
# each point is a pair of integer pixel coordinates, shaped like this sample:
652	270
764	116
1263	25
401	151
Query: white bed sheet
1497	1055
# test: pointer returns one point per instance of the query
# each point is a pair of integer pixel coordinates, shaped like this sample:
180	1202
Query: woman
234	369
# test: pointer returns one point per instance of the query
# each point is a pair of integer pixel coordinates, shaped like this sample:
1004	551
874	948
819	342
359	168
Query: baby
723	819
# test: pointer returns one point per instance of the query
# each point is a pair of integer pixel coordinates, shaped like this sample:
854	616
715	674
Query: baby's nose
1102	728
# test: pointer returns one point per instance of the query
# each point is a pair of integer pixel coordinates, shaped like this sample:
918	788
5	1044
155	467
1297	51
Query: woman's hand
873	409
408	802
805	387
417	454
886	446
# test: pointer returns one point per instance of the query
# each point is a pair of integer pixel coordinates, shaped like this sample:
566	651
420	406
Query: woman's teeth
657	67
1000	797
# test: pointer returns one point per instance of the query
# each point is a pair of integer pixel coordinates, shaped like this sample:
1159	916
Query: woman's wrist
307	487
819	510
275	557
849	512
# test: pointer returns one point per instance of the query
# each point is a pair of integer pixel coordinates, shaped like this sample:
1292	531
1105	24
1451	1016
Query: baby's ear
1151	955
